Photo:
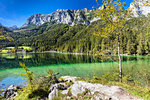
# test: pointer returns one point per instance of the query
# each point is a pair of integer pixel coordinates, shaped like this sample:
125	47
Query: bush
36	88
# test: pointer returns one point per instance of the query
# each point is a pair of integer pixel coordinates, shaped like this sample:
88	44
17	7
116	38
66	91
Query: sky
16	12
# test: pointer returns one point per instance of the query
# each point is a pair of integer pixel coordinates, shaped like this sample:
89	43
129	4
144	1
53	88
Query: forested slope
80	38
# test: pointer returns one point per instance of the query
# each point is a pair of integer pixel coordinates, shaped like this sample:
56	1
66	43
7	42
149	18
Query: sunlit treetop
113	15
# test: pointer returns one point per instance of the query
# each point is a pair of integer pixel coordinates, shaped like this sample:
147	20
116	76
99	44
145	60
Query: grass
135	90
4	51
10	47
25	47
113	79
7	49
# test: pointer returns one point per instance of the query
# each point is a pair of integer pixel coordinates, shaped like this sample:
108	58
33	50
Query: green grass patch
4	51
10	47
135	90
25	47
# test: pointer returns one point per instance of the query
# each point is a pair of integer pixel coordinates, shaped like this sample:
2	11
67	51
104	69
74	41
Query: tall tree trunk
120	66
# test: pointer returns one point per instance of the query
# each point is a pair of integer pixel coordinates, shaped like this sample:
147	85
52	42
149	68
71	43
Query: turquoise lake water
68	64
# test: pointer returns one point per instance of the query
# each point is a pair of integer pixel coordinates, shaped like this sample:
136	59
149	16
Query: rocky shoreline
73	88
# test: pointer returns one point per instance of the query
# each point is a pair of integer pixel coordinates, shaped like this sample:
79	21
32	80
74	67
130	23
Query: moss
96	92
85	94
57	98
69	92
69	83
60	96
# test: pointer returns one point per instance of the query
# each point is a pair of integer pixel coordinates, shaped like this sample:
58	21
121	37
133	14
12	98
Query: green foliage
105	78
37	87
85	95
4	37
133	86
1	97
69	92
82	39
134	89
113	16
28	74
69	83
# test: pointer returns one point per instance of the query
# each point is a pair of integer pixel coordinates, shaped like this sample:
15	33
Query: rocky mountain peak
14	27
65	16
140	7
83	16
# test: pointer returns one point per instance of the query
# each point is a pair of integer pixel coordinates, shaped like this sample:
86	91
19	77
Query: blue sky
16	12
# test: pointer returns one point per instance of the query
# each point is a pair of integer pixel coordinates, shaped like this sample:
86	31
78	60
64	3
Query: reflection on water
16	55
68	64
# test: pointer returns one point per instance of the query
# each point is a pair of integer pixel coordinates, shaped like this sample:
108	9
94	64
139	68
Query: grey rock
11	92
140	7
68	79
53	91
97	91
14	27
64	16
55	88
103	91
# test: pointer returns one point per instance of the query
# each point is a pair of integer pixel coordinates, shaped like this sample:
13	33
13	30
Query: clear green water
68	64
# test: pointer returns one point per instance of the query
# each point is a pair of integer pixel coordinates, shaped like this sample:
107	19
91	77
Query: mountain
3	28
64	16
83	16
14	27
140	7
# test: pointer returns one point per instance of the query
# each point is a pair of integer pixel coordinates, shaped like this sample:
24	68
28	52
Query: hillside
4	37
80	38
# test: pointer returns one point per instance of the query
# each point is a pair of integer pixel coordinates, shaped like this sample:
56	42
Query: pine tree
140	47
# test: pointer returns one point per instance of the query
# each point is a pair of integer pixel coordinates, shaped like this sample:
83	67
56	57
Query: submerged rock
11	92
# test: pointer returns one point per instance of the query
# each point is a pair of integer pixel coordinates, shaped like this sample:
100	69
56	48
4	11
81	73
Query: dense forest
80	38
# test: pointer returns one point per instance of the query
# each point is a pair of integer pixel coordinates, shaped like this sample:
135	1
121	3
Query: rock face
84	16
65	16
97	91
140	7
53	91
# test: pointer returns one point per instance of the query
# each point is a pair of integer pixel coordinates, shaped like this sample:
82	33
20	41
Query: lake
138	67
